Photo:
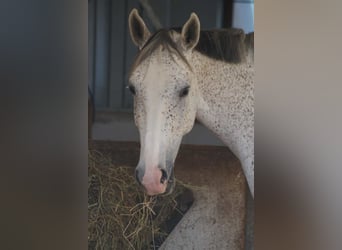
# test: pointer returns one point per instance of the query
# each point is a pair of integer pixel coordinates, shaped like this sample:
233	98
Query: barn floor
217	218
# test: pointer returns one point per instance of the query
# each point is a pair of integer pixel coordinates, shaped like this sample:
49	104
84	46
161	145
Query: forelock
161	38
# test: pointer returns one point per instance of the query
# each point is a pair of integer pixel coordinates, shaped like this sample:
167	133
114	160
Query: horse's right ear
137	28
191	32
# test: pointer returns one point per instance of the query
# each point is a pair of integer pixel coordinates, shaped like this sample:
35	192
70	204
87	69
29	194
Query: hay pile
120	215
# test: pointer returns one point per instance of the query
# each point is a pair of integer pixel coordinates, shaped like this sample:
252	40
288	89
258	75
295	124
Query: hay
120	215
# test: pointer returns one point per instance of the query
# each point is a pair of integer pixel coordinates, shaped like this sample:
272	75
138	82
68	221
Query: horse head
165	98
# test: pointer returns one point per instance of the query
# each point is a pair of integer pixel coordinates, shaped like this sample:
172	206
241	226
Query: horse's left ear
191	32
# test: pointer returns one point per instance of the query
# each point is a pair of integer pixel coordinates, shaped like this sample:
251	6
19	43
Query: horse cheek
190	115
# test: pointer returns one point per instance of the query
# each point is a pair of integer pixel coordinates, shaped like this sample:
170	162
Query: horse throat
226	105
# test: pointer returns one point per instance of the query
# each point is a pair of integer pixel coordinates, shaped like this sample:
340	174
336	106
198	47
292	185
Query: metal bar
151	14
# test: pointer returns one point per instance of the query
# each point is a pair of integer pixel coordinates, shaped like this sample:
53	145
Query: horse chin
169	189
171	183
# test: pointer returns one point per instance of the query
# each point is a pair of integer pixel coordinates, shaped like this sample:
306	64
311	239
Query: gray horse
180	75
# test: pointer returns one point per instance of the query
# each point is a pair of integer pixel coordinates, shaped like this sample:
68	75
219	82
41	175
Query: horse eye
132	89
184	92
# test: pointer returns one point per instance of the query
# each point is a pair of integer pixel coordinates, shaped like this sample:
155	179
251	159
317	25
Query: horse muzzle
156	181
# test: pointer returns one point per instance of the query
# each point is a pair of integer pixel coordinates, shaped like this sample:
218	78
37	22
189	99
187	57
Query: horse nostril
164	176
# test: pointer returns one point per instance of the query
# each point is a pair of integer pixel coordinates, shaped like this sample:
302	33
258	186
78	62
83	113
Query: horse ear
191	32
137	28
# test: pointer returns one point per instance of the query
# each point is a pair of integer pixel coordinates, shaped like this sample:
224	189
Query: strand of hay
120	215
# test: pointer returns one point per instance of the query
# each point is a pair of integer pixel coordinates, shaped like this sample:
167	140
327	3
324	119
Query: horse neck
226	100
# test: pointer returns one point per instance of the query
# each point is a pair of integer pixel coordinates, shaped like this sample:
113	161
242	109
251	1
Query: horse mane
249	44
229	45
